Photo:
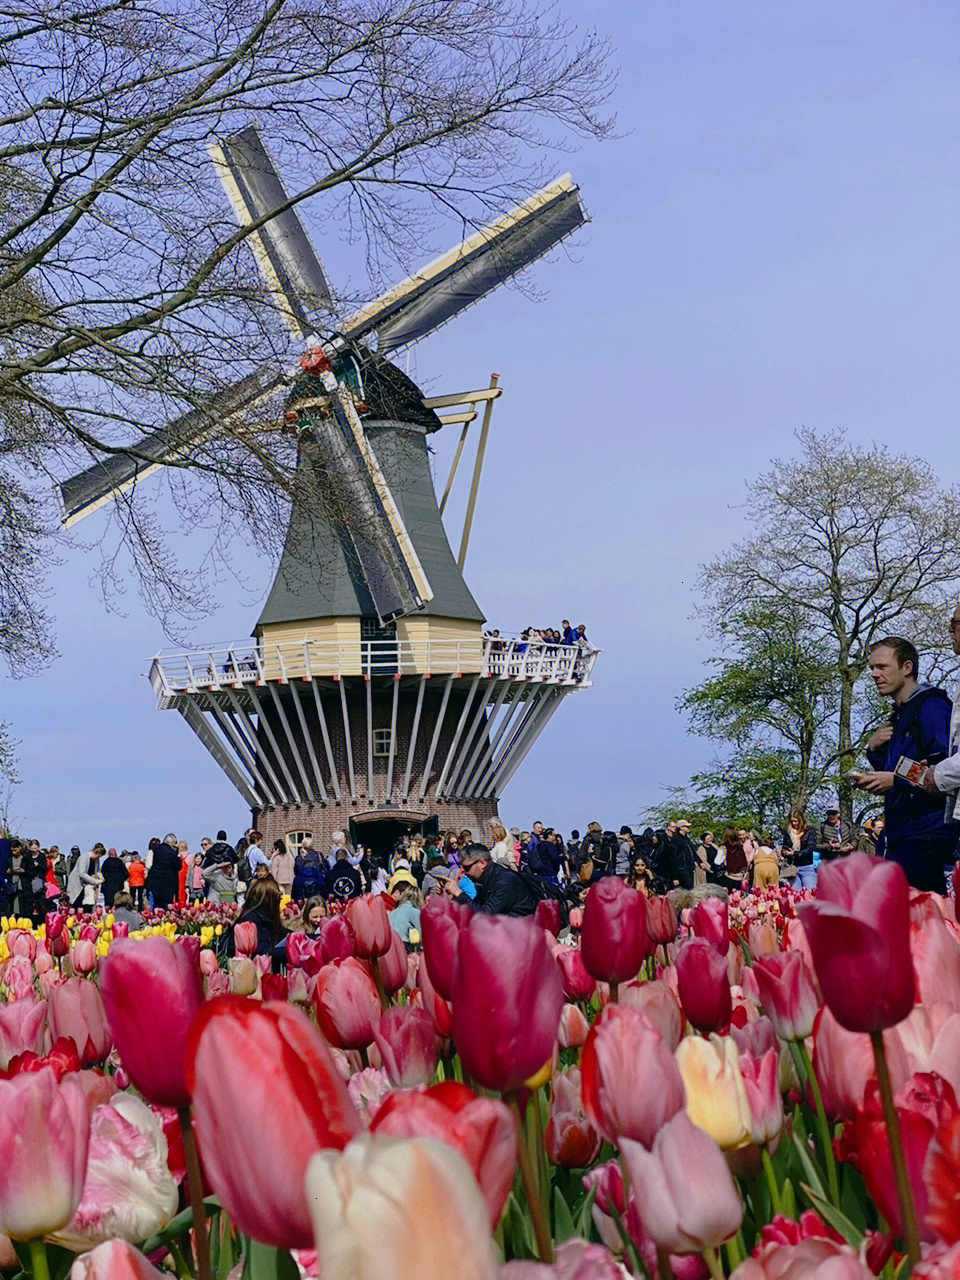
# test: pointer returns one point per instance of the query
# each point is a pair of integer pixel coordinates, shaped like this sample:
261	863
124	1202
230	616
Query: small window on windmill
381	742
295	841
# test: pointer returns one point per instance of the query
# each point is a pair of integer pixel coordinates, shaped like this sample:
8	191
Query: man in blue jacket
915	829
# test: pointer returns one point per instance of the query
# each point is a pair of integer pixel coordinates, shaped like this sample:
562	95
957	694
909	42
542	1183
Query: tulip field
765	1087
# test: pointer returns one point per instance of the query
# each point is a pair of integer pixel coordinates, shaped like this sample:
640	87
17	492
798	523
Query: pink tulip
570	1138
95	1087
843	1064
337	939
245	938
89	933
662	920
408	1046
128	1190
623	1047
304	952
23	1028
75	1009
54	922
152	1039
762	939
403	1208
710	921
787	994
44	1130
755	1038
761	1080
548	917
121	929
704	985
859	931
208	962
615	939
249	1059
347	1004
573	1029
190	943
507	999
440	923
115	1260
813	1258
18	977
660	1006
46	982
393	965
22	943
438	1009
217	984
371	925
574	1260
577	983
481	1129
682	1187
298	991
936	961
43	963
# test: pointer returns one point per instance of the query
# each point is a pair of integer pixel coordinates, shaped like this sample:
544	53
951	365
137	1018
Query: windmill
369	694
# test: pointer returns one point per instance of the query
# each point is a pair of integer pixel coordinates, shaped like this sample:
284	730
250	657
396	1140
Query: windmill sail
284	254
477	266
111	475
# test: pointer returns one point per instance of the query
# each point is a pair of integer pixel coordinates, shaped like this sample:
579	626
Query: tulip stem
712	1258
775	1199
908	1210
541	1228
663	1264
39	1266
378	979
823	1126
614	992
195	1185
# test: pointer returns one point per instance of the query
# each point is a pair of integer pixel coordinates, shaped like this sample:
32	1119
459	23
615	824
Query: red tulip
408	1045
481	1129
440	923
621	1049
337	939
577	983
44	1132
614	938
371	925
54	921
662	920
924	1103
710	920
63	1059
507	999
438	1009
152	991
547	916
347	1004
273	986
704	985
844	1066
787	994
247	1061
942	1178
570	1139
859	932
393	965
75	1009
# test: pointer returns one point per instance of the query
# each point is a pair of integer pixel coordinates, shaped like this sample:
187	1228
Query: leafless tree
127	293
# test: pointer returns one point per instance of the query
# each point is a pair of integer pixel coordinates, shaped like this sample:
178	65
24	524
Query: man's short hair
221	835
832	810
474	852
903	650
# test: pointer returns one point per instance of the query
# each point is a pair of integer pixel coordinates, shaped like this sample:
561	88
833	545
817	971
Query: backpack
541	890
244	869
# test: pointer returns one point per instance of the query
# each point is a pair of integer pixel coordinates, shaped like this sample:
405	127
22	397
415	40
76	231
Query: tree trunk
847	758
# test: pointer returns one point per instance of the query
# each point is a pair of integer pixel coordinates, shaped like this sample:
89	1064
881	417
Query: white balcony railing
246	662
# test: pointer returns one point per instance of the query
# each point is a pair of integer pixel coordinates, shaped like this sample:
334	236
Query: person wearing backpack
500	891
916	833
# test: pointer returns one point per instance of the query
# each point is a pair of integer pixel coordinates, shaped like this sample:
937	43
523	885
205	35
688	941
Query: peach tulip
623	1047
115	1260
400	1207
23	1026
717	1100
659	1005
573	1029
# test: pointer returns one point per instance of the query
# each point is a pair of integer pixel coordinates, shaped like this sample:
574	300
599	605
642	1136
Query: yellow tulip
108	921
218	930
717	1100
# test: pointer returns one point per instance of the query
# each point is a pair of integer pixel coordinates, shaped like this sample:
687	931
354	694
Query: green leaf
585	1216
809	1168
788	1200
263	1262
834	1217
176	1227
563	1226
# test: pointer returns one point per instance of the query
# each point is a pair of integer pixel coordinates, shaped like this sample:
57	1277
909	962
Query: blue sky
773	245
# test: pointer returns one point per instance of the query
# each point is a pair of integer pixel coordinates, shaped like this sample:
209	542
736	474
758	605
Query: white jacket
947	773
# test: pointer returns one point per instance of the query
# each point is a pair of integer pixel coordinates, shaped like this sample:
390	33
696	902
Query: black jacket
343	881
164	875
502	892
265	942
114	875
802	856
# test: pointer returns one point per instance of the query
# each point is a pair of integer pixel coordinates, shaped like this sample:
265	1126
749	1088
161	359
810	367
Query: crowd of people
565	635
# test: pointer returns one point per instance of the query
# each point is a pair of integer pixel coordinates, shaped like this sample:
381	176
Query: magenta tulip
190	943
121	929
710	920
577	983
787	994
337	939
370	924
408	1046
151	991
75	1009
622	1049
440	923
44	1132
507	999
703	984
393	966
614	938
662	920
247	1060
859	931
547	916
347	1004
54	922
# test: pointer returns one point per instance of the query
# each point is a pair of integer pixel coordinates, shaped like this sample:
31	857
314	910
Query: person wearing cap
836	836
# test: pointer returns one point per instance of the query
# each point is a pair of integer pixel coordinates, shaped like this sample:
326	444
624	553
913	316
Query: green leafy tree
754	788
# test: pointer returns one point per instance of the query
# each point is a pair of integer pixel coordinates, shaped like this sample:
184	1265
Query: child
137	878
